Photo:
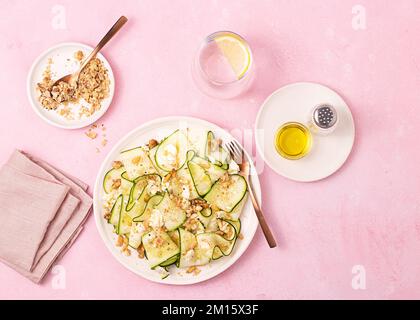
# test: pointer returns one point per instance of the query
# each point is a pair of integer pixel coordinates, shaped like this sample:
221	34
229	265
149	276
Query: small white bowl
65	63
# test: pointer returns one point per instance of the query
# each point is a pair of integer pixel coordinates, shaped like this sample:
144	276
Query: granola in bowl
93	87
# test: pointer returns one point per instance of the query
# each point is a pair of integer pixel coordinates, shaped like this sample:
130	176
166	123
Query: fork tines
235	151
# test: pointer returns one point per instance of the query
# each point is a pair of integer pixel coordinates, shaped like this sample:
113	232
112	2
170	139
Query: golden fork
238	155
74	77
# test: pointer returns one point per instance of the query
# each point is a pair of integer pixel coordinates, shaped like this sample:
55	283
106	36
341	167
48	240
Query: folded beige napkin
42	210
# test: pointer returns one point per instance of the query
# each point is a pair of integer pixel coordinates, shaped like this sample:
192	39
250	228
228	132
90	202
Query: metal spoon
74	77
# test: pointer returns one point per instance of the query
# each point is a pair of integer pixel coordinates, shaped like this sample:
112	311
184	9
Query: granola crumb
224	177
240	236
78	55
91	134
117	164
120	241
125	248
199	204
94	131
194	270
66	112
190	269
136	160
84	112
116	183
140	251
158	242
125	239
152	143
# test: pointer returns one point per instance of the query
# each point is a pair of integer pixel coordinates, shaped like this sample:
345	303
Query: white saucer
64	63
294	103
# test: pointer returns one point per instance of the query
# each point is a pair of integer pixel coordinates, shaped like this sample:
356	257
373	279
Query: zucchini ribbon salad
176	202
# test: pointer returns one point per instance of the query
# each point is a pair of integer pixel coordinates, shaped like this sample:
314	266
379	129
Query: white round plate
158	129
294	103
64	63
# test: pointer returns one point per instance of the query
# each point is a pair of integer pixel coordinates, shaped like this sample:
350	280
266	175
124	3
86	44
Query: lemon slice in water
236	52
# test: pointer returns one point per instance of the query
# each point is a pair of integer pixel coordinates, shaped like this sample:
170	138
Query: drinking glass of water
223	67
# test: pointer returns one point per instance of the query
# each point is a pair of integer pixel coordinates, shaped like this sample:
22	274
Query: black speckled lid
325	116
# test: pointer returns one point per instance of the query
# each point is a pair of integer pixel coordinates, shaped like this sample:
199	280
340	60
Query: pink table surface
372	213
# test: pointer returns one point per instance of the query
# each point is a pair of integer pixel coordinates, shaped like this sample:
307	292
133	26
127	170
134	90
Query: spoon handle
115	28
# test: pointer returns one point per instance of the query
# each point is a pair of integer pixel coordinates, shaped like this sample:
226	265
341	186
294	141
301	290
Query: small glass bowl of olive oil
293	140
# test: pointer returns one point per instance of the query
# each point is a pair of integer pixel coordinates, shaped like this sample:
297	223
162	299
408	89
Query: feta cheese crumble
156	219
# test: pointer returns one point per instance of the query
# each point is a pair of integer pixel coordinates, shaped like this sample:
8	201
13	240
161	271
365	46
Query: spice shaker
323	119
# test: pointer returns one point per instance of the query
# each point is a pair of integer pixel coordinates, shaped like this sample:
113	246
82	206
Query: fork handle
264	226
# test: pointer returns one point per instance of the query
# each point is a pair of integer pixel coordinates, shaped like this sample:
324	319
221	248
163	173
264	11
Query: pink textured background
373	212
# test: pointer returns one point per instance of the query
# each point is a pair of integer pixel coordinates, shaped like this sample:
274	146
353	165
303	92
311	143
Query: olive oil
293	140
